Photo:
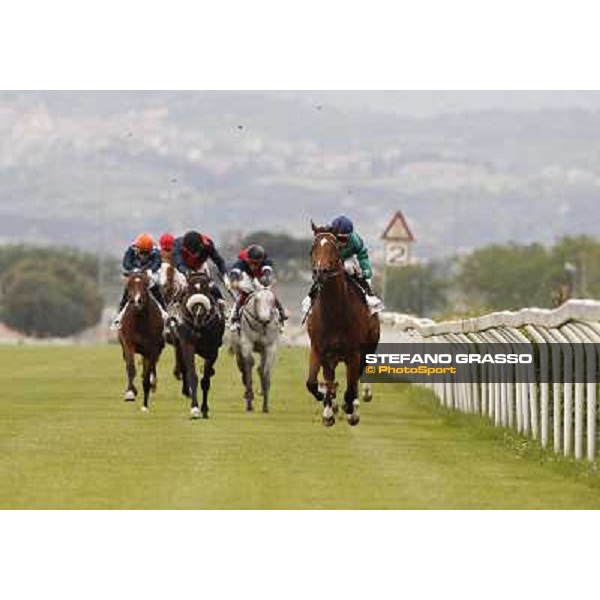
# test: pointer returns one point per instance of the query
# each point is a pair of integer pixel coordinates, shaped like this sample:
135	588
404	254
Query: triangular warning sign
398	229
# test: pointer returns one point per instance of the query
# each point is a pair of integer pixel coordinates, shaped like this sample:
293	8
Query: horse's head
137	289
198	301
325	253
264	305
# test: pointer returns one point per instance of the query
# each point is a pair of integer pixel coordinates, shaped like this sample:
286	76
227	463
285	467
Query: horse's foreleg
247	364
190	377
205	384
266	365
331	388
129	358
351	395
178	369
147	380
312	383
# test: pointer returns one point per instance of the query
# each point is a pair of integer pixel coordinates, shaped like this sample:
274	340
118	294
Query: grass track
67	440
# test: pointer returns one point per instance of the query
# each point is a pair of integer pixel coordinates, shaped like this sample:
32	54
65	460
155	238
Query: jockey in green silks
357	263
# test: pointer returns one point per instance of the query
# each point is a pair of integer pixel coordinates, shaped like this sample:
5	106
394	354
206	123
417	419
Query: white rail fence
561	414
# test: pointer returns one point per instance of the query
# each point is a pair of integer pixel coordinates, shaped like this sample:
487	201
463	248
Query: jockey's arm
362	254
155	261
178	258
128	261
218	260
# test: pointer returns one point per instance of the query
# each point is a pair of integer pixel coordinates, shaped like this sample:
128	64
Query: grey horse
259	332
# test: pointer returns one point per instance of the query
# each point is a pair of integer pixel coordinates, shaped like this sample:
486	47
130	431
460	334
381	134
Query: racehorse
259	332
340	325
141	332
199	332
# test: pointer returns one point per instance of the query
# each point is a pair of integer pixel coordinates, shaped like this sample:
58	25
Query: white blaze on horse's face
321	263
264	303
137	298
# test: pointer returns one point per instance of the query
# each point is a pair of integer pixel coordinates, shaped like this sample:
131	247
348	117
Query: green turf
67	440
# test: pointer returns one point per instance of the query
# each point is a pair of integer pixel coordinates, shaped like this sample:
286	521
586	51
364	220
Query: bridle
138	277
323	274
262	325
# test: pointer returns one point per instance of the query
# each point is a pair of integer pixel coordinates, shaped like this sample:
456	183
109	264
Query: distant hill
93	169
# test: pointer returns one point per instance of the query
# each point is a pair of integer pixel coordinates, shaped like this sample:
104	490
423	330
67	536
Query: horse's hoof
265	409
353	420
144	409
367	396
129	396
195	413
249	408
329	421
205	414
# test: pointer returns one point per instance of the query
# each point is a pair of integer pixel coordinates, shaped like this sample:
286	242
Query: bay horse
340	325
199	332
259	332
141	333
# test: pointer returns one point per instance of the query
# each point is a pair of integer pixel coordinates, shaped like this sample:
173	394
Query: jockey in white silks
252	271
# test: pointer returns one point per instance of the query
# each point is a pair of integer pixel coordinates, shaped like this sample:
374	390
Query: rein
250	317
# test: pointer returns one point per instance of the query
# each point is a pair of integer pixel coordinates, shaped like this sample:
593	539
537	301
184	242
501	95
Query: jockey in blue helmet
357	263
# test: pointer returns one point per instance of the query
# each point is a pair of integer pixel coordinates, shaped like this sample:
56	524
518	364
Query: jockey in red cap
166	242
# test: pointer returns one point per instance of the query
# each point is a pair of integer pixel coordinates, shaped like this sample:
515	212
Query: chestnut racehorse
339	326
141	333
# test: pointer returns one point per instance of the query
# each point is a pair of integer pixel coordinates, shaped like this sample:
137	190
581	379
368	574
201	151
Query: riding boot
235	315
281	310
374	303
116	324
308	300
123	301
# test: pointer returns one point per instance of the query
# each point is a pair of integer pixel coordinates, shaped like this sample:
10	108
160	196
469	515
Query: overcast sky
427	103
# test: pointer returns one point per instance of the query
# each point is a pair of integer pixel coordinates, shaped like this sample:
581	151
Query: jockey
355	255
142	255
166	242
173	280
190	254
253	270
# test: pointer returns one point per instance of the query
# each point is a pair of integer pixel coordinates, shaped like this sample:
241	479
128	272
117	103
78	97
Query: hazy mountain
93	169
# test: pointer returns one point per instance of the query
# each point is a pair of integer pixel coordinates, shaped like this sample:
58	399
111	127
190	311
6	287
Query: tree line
50	292
498	277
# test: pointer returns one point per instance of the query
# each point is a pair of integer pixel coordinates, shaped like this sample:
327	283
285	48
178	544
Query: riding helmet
342	225
166	242
192	241
144	242
256	252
